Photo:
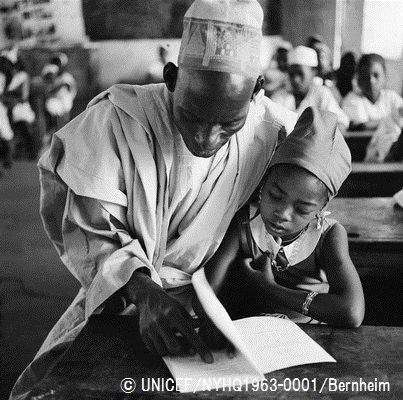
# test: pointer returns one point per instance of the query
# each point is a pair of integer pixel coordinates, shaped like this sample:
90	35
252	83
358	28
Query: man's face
301	77
209	107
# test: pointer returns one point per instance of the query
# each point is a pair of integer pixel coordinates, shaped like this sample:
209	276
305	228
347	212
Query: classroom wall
44	21
303	18
129	60
352	37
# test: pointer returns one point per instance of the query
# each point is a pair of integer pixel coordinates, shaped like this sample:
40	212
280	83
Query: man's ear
258	86
170	76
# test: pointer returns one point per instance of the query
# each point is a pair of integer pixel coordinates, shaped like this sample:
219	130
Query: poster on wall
35	17
43	21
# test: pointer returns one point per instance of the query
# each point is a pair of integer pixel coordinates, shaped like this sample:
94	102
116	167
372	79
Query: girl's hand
259	271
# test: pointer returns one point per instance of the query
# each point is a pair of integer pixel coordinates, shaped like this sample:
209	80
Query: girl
284	256
373	102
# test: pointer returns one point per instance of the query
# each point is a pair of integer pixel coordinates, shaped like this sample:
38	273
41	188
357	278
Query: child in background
60	92
20	111
303	64
325	75
6	132
276	76
66	81
345	76
294	260
373	102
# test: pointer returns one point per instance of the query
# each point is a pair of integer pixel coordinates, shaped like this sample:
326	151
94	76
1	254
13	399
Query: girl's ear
170	74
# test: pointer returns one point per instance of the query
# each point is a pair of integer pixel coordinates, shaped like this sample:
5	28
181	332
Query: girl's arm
343	305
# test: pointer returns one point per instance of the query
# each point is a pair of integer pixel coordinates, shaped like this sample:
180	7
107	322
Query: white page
278	343
218	314
264	344
193	374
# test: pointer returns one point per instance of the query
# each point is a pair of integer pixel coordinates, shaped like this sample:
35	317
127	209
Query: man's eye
190	117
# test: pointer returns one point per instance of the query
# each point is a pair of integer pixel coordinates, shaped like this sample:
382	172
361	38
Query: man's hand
209	333
161	318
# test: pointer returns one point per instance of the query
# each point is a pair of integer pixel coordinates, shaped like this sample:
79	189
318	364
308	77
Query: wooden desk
357	142
108	350
375	229
373	180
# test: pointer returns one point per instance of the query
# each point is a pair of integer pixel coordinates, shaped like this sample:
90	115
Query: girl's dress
296	265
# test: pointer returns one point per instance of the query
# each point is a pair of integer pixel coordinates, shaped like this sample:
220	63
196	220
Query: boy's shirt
360	110
318	96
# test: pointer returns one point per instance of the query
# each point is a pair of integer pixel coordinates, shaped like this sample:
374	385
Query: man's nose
209	137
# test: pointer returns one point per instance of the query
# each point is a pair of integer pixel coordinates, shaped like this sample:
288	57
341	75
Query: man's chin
202	153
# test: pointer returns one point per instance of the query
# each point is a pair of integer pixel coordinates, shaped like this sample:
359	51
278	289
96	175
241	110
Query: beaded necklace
280	261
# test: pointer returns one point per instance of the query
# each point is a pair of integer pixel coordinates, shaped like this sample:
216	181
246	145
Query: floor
35	287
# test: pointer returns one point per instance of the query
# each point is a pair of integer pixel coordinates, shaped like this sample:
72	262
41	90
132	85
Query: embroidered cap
317	145
222	35
302	55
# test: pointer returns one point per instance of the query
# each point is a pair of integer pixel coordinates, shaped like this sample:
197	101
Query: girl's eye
275	196
302	211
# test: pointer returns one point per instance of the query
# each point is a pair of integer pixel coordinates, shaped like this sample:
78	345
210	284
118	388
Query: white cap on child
222	35
50	69
317	145
303	55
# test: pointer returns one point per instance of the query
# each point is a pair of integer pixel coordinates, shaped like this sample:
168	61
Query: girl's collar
301	246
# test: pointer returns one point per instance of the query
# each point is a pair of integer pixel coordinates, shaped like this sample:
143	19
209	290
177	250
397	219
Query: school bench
373	180
357	142
375	233
108	350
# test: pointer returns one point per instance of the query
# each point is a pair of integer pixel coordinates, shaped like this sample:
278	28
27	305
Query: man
303	64
138	191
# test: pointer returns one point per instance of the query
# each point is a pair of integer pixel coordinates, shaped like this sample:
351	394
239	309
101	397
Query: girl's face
372	80
291	198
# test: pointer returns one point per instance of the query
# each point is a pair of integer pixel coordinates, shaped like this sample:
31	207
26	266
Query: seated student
6	131
367	107
283	255
61	91
345	79
276	76
22	117
325	75
303	63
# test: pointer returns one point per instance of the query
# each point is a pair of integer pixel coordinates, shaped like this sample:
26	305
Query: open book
263	344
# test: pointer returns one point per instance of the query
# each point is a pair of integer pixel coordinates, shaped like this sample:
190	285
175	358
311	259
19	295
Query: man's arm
161	318
84	210
103	256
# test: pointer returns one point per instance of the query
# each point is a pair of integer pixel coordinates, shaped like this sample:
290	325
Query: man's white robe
107	190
